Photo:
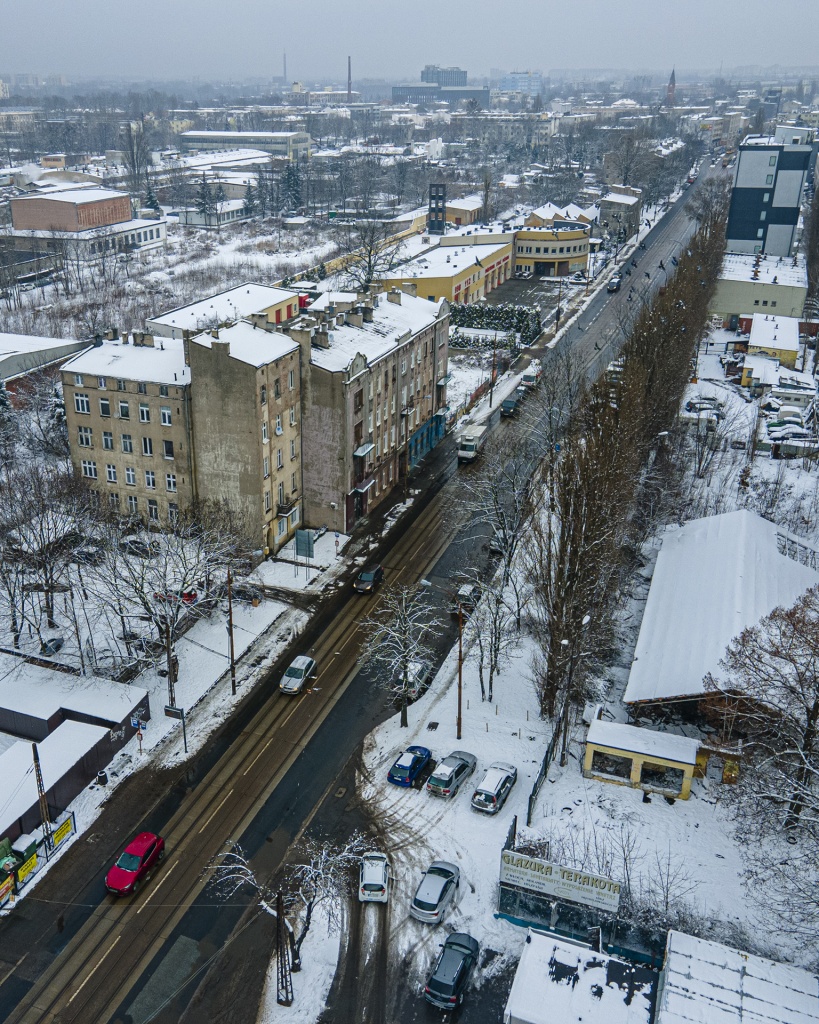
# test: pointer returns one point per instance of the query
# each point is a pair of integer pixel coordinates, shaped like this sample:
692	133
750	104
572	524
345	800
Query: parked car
465	599
437	889
374	876
140	548
614	284
409	766
579	277
451	971
368	579
135	864
494	787
301	670
509	406
451	773
419	676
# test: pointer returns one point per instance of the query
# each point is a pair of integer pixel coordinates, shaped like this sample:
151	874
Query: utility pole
460	665
284	980
230	635
169	658
492	369
43	799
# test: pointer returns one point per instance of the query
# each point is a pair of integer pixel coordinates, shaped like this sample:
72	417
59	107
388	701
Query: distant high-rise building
530	83
768	181
671	89
4	90
443	76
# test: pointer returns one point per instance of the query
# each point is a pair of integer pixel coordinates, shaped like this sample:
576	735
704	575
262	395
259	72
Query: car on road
300	671
451	773
135	864
408	766
368	579
465	599
493	789
614	284
451	971
437	889
419	676
374	877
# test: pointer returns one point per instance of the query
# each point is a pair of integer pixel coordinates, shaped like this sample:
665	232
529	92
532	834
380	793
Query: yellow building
776	337
552	252
658	762
462	272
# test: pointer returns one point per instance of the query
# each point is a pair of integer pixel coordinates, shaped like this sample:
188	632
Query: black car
368	579
451	972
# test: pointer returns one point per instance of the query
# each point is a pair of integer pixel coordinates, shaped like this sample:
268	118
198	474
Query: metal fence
548	757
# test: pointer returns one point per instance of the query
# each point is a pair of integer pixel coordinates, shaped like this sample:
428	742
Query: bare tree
369	250
135	148
399	633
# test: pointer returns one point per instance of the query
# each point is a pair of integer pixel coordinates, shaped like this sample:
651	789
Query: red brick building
76	209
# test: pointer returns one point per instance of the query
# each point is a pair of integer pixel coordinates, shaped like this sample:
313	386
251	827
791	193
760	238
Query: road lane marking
256	758
165	876
94	968
214	812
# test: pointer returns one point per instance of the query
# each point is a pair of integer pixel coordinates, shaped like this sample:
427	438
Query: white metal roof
249	344
771	331
635	740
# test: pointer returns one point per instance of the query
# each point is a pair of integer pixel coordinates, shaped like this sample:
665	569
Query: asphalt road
72	953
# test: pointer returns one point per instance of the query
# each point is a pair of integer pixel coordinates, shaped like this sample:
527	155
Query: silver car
494	788
450	773
437	889
301	670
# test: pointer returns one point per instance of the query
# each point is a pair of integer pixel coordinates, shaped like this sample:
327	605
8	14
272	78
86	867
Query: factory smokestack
349	79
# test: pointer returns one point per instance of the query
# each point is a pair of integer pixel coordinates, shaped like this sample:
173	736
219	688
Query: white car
374	876
302	669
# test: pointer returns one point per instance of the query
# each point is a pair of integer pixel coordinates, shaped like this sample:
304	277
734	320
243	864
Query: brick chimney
394	295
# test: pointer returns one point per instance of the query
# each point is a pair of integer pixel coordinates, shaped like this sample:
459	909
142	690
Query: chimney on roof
367	313
355	318
221	348
409	288
321	337
394	295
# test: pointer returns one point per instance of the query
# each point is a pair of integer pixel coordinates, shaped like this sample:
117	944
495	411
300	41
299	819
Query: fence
36	855
548	757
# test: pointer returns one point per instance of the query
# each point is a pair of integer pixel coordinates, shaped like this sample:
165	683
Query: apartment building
128	411
374	377
258	302
246	416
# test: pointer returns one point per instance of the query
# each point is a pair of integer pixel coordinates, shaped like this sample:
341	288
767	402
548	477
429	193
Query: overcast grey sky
167	39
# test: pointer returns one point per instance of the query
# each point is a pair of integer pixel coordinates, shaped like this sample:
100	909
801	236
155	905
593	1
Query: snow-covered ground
287	572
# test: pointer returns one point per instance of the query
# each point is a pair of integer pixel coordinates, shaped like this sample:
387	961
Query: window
773	303
165	415
281	493
111	474
144	413
278	423
127	443
294	516
163	390
266	466
89	469
760	233
279	458
101	383
291	379
282	526
130	476
764	302
756	302
264	433
772	161
293	416
293	482
766	197
263	394
142	388
84	436
153	510
150	479
170	481
147	446
173	512
105	407
167	449
124	411
78	379
133	505
82	403
277	388
769	179
292	449
762	215
267	501
113	501
403	366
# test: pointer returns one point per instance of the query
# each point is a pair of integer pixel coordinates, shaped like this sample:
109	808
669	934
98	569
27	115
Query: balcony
286	507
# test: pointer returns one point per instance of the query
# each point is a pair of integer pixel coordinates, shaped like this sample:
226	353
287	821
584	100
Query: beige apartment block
129	424
246	405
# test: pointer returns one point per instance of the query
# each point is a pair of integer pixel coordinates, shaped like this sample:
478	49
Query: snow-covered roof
620	736
162	364
59	752
19	344
233	304
392	321
332	298
250	344
705	981
763	369
771	331
80	196
714	577
448	260
227	136
467	203
565	981
786	270
619	197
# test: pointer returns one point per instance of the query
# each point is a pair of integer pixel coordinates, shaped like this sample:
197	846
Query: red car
135	864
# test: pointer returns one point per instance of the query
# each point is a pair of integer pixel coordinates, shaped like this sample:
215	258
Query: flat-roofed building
458	270
290	145
750	284
776	337
262	302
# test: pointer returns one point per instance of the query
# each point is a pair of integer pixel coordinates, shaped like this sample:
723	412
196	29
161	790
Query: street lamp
573	658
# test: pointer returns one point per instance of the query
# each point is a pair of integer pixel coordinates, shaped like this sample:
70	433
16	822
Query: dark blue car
409	766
